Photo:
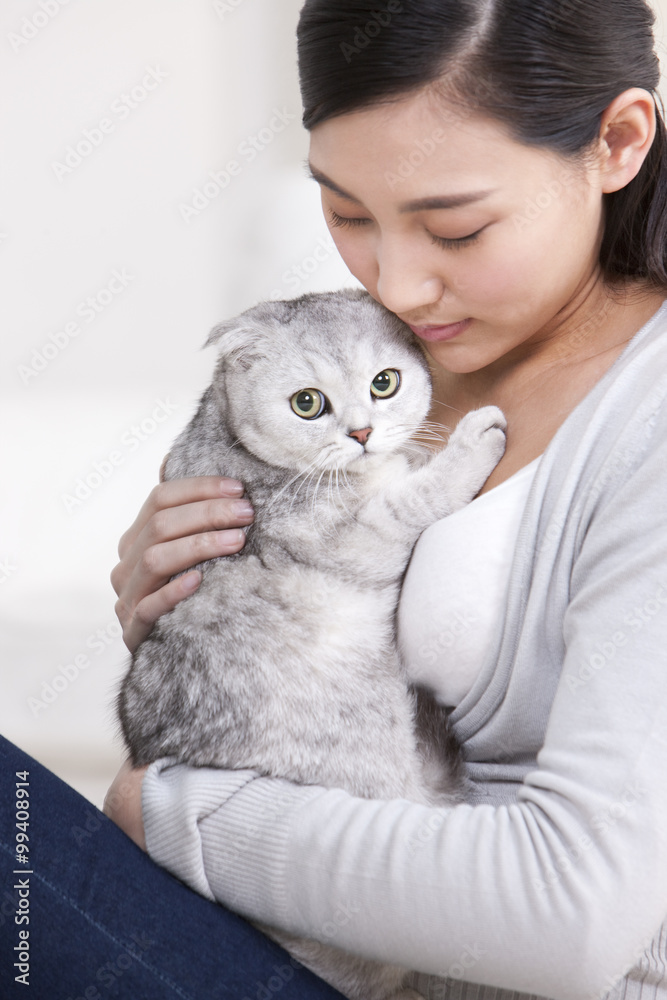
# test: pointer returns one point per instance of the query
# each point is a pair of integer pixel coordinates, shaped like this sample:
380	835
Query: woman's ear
627	131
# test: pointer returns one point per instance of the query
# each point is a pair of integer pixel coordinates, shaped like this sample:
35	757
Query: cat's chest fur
285	659
336	530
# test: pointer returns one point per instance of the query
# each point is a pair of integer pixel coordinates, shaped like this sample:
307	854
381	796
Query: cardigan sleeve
556	894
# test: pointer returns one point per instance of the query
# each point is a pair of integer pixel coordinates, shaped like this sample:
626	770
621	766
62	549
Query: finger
174	493
176	523
158	563
139	624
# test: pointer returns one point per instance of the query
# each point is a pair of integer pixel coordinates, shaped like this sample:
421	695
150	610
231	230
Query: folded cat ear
248	329
237	338
231	334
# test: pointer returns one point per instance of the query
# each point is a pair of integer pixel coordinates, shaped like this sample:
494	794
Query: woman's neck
538	387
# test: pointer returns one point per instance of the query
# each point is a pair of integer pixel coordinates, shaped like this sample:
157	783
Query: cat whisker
331	500
232	446
438	402
436	428
307	480
317	486
304	473
318	520
347	486
337	490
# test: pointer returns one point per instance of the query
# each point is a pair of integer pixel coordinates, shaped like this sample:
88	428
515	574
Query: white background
102	405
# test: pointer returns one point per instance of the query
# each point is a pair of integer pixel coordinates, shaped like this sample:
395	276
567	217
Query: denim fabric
105	921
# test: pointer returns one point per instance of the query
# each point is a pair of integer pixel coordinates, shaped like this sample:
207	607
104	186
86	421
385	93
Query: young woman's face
446	220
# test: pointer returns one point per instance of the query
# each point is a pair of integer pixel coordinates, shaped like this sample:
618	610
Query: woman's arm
552	895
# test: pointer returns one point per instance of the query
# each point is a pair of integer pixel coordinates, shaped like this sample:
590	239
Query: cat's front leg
453	476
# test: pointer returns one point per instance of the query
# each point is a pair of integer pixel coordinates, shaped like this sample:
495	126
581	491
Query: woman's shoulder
616	436
626	400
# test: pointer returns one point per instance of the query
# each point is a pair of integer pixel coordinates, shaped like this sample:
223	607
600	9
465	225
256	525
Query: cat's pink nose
361	436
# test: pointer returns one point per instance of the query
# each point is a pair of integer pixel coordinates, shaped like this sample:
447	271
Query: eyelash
341	222
465	241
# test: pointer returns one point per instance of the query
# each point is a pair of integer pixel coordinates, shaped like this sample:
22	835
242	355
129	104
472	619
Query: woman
496	174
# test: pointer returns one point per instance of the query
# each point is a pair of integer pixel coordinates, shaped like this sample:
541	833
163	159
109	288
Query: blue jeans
86	915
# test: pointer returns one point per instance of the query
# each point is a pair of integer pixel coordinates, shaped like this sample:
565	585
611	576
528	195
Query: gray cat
285	658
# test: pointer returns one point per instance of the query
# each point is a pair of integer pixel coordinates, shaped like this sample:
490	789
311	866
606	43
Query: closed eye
345	222
341	222
464	241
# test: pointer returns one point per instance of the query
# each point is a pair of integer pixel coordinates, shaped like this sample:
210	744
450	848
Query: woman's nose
405	282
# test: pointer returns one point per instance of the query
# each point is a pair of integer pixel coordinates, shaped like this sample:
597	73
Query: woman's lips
440	333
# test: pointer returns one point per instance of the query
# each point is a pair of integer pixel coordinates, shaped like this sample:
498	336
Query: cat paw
482	429
479	422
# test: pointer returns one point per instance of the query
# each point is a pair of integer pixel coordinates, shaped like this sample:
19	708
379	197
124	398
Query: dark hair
545	69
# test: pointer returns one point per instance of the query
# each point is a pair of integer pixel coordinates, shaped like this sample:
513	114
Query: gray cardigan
552	880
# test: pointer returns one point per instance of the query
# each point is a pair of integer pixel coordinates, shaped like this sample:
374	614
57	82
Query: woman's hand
183	522
123	802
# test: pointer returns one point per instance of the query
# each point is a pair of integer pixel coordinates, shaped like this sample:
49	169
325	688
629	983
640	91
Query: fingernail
191	580
243	508
231	487
232	537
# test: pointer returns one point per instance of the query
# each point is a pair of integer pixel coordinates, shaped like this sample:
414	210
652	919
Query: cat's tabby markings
285	659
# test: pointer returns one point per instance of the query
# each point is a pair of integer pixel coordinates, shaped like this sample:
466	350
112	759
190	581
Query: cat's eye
309	403
385	384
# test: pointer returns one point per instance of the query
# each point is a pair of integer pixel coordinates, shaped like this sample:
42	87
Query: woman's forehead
417	150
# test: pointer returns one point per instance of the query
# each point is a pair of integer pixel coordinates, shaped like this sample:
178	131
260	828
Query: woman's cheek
358	257
491	282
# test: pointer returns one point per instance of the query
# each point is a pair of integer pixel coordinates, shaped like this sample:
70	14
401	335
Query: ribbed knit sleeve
558	893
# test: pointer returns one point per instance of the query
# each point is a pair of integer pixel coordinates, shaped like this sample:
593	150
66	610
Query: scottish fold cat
285	659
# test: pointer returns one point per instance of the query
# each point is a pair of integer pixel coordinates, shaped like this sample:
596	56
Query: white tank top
454	592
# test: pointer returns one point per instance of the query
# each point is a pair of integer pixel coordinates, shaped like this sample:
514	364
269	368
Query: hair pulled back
545	69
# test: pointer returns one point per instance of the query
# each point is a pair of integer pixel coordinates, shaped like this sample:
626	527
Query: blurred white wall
115	114
119	249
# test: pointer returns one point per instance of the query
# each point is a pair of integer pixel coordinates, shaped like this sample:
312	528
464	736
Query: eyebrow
419	205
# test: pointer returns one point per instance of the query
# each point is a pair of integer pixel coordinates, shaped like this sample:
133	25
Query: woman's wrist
223	833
